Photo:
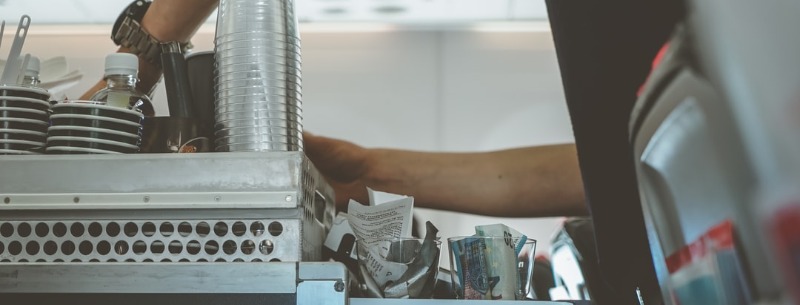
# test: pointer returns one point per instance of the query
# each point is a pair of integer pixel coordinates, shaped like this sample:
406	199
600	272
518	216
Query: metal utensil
176	80
200	69
12	63
22	68
2	28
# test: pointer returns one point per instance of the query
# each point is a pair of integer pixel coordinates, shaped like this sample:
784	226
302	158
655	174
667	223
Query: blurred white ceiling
407	12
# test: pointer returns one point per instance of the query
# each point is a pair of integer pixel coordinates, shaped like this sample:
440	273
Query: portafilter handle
176	80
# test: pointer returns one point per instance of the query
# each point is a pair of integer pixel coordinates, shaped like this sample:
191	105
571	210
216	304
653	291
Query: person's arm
166	20
525	182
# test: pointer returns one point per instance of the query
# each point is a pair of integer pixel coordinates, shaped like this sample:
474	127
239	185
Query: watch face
135	11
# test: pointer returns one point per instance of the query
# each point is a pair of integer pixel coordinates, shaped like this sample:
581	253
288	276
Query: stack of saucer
23	120
84	127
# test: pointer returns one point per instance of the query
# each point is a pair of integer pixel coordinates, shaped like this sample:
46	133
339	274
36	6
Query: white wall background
454	90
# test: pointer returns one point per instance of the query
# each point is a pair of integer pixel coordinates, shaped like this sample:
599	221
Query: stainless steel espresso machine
243	225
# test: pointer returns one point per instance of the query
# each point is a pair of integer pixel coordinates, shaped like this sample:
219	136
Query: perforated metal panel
216	207
148	241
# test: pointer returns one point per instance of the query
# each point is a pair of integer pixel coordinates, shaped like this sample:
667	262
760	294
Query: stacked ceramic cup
85	127
23	120
257	77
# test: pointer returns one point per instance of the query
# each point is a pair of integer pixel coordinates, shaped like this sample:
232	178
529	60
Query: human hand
344	165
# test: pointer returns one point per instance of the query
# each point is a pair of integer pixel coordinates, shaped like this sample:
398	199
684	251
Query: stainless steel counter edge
364	301
149	278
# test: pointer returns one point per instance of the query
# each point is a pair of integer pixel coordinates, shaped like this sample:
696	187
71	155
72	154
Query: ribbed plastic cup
285	112
275	56
249	131
237	40
257	99
267	64
295	145
258	79
257	94
257	39
276	119
257	125
249	108
255	73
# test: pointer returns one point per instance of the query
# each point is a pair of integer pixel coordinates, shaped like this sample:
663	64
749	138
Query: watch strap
131	35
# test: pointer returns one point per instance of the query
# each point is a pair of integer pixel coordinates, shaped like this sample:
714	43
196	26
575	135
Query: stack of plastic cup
257	77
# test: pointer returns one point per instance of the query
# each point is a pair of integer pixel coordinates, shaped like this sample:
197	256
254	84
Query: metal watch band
132	36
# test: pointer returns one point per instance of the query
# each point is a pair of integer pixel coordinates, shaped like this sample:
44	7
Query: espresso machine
242	225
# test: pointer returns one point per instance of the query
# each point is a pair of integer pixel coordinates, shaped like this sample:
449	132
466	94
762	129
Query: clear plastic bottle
31	76
120	91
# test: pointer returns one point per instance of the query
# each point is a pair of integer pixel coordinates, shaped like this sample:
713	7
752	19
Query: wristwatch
128	32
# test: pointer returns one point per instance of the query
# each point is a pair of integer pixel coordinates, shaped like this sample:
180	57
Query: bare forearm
176	20
166	20
525	182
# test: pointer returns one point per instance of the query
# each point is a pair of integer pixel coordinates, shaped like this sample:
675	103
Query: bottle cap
122	64
32	70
